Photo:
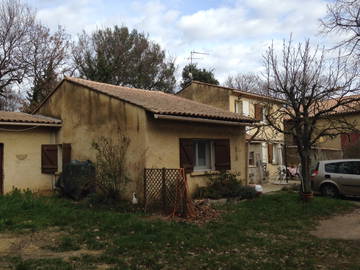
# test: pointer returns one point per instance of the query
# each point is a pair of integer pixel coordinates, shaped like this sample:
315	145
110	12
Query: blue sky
235	34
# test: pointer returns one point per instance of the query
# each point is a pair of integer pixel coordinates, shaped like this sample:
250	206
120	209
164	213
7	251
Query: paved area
340	227
276	186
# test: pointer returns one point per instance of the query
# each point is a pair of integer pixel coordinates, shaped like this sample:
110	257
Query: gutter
29	124
202	120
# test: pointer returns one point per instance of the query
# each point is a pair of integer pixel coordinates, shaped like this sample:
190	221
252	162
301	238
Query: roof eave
205	120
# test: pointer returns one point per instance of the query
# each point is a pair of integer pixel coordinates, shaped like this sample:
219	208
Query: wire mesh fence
166	190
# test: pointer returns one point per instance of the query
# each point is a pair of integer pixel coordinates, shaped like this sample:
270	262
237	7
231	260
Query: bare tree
16	22
47	59
11	100
248	82
343	17
313	88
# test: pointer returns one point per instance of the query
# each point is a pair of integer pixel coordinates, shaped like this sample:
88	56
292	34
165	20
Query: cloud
234	33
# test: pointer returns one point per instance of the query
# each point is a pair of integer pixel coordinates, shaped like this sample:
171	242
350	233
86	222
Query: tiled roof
19	117
161	103
351	107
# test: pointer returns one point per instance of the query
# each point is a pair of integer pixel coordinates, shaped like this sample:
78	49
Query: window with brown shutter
270	152
222	155
66	154
258	112
49	158
187	155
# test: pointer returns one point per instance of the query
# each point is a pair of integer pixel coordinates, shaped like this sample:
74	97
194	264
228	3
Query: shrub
111	171
225	185
77	180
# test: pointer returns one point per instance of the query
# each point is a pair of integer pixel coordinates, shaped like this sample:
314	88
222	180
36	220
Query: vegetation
306	78
225	185
192	72
111	170
118	56
270	232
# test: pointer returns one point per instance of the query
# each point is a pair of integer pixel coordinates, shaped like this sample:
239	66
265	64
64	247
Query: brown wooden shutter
49	158
66	154
187	155
270	152
222	155
258	112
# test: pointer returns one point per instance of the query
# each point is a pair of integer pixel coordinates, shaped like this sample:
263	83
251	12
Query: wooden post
145	203
163	189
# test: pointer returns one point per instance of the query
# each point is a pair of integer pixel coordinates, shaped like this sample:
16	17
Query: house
23	138
264	145
165	130
335	147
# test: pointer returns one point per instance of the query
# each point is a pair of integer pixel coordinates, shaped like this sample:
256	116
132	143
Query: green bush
225	185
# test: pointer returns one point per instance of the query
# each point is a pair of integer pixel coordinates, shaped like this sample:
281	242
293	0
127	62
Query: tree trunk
305	171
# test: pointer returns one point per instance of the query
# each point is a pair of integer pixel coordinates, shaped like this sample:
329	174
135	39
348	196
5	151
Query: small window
238	108
246	108
203	155
252	158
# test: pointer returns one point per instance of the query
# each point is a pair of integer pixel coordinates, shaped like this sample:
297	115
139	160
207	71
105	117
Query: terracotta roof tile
160	102
19	117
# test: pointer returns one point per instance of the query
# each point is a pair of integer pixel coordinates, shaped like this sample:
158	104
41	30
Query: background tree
312	87
343	17
248	82
16	22
197	74
48	58
120	57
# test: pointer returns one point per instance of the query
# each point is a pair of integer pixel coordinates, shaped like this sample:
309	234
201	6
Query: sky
233	34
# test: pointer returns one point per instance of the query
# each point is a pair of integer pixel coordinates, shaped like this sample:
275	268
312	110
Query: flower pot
306	196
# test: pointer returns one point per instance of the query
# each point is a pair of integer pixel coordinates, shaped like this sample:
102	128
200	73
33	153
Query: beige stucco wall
206	94
22	158
163	146
88	115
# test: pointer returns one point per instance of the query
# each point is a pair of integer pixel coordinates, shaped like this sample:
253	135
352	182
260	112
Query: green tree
118	56
192	72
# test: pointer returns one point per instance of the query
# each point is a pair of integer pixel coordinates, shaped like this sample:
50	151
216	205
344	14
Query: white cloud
235	34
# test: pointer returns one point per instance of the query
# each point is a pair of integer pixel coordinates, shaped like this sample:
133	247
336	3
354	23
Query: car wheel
329	191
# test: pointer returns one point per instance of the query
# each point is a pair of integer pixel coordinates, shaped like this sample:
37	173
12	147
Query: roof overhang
203	120
9	123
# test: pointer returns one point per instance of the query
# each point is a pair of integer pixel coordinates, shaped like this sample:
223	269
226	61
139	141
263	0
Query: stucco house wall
163	146
22	158
88	114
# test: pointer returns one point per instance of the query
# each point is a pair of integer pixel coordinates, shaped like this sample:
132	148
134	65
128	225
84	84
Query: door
349	174
1	168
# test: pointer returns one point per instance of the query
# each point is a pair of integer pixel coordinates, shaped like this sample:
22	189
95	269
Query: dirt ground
37	245
345	227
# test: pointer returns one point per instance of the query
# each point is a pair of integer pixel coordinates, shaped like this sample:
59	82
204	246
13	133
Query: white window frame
209	155
237	106
246	107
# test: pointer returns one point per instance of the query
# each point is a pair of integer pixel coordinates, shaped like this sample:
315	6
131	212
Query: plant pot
306	197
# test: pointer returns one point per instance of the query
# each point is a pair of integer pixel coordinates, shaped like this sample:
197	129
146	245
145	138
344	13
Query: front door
1	168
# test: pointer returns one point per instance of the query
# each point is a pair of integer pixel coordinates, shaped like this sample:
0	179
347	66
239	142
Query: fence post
145	202
163	189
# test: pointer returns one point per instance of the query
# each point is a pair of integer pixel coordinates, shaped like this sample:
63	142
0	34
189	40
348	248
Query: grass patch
270	232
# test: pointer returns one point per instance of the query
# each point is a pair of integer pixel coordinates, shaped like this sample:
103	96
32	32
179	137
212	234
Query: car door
348	176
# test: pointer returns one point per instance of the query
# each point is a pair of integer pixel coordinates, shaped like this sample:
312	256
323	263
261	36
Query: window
350	167
252	158
264	153
204	154
246	107
49	158
238	106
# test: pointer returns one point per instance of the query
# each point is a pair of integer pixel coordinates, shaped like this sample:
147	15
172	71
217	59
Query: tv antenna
193	57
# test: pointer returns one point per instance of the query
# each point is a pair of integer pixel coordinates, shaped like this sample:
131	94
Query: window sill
203	173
